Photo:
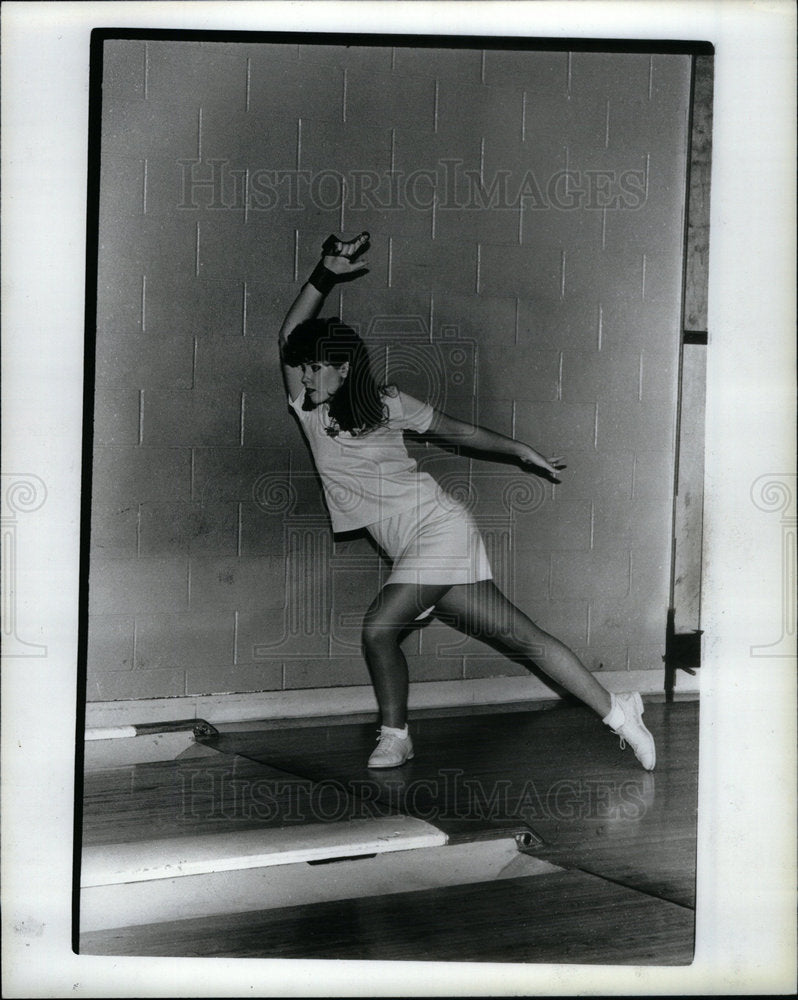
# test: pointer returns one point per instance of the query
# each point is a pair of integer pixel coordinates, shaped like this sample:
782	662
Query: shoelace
387	736
620	737
622	740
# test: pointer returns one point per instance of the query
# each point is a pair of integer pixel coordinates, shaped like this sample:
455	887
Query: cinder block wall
526	215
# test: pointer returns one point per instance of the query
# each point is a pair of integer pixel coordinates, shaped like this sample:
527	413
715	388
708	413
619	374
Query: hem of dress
436	579
388	517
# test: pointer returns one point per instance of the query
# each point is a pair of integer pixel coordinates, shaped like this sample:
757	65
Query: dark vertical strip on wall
688	501
697	277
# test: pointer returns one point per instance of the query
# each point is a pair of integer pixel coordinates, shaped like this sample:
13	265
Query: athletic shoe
392	749
625	720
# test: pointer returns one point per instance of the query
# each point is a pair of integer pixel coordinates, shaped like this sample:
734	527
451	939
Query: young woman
355	431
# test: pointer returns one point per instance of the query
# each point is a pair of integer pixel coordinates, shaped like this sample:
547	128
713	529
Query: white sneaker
392	749
625	720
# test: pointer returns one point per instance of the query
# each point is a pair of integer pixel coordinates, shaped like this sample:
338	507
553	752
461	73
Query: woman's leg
393	610
482	610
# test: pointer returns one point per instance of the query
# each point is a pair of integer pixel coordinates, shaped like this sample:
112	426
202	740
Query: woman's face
322	381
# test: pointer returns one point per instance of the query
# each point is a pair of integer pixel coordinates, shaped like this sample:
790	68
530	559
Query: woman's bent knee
379	633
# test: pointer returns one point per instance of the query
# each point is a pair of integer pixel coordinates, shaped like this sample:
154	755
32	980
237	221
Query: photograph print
391	612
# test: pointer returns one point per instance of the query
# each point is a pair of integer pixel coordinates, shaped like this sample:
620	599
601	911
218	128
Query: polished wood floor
565	917
624	838
218	794
558	773
642	831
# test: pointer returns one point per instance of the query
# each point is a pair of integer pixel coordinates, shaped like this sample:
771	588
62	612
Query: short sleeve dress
370	481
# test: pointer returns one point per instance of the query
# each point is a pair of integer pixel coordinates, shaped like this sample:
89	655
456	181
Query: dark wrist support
322	279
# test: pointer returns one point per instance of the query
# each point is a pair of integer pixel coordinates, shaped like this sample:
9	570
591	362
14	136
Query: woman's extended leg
482	610
394	609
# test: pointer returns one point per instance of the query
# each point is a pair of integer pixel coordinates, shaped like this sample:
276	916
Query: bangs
328	342
357	405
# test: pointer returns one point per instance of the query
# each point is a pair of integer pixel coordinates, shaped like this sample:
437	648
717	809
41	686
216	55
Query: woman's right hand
346	257
532	460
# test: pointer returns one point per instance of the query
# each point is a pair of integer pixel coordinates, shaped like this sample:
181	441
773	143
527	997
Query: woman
355	431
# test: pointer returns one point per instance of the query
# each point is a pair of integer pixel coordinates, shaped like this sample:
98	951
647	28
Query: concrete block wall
526	217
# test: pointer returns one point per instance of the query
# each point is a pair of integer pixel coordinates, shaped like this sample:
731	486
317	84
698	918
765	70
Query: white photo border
746	832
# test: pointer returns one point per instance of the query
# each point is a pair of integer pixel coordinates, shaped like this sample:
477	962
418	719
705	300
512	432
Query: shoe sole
386	767
638	701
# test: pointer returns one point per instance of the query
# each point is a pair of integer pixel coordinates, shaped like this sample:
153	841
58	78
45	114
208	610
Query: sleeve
412	414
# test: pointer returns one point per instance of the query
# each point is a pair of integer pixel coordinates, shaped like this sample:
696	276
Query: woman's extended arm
459	432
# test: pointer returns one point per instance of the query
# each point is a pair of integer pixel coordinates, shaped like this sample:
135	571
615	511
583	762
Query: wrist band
322	279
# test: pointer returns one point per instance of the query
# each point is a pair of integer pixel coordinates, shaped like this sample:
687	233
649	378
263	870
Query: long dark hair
357	405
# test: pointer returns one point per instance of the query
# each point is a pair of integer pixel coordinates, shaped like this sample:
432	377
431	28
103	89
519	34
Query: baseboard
316	702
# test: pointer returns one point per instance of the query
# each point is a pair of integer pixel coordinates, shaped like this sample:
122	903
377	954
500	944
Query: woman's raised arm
341	261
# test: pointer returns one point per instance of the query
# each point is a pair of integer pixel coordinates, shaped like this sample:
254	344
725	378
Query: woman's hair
357	405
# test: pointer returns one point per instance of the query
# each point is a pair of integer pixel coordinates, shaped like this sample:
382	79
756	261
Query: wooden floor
559	773
218	794
643	834
624	838
565	917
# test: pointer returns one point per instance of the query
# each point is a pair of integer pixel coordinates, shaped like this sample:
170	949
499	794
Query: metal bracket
528	841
